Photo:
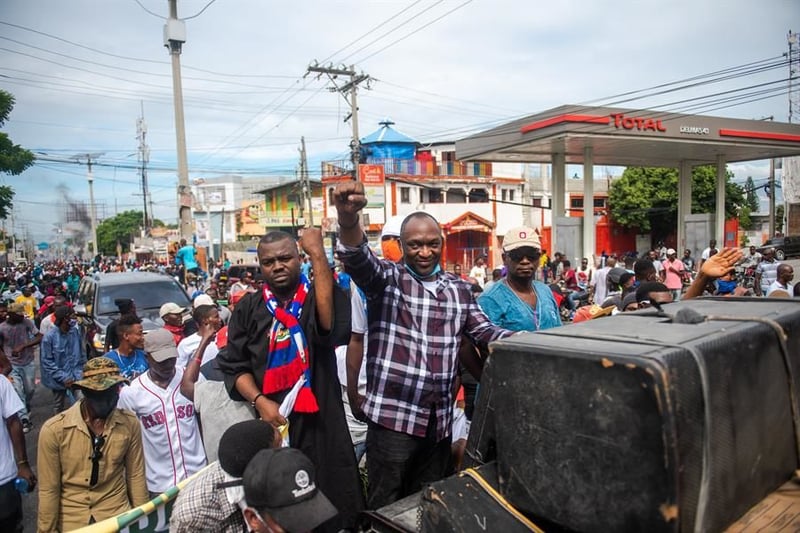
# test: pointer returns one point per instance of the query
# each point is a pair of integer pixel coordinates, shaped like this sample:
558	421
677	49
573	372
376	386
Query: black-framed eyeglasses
98	441
521	253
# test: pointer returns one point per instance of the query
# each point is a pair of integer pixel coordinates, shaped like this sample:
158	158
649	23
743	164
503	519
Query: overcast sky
81	70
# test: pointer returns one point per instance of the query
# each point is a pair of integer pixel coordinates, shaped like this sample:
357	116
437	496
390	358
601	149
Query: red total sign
638	123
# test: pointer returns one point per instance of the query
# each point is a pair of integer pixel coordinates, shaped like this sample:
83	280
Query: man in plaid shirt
416	314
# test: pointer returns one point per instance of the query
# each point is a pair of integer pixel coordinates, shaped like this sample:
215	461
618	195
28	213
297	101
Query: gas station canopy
573	134
627	137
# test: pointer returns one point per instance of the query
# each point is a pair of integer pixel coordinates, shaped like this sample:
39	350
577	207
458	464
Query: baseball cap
519	237
160	344
99	374
203	299
392	227
615	274
170	308
16	308
282	482
671	251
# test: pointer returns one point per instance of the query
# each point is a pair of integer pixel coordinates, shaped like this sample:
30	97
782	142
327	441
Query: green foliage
121	228
751	196
647	198
13	158
745	220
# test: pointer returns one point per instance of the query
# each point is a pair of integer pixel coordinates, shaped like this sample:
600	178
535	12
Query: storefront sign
694	130
637	123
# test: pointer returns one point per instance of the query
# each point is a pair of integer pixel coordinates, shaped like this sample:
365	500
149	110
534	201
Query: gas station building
587	136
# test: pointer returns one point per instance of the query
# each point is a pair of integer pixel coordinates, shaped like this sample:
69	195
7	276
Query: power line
201	11
150	12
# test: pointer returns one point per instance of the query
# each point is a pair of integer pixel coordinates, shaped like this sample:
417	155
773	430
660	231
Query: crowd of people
312	393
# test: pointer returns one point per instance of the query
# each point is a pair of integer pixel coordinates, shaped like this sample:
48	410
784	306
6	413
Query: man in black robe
325	320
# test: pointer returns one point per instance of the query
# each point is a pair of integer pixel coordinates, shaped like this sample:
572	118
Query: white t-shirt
479	273
10	404
598	281
777	286
189	345
173	448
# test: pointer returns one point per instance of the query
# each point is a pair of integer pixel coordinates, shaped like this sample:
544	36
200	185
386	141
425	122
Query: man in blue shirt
185	256
519	302
62	357
129	355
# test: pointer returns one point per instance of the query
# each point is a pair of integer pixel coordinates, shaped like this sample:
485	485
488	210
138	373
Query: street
41	410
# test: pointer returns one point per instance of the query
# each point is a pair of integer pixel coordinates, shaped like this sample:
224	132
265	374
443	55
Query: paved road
41	410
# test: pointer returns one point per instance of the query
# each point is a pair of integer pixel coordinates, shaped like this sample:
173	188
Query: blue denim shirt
62	357
505	309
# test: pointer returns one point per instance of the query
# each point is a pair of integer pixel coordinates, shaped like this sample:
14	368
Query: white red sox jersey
173	448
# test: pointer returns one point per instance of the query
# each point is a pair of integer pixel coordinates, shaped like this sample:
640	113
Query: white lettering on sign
694	130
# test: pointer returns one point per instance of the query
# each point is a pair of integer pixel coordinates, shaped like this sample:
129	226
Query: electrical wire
200	12
150	12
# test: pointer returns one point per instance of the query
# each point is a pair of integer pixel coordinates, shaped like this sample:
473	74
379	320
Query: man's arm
49	462
20	452
48	363
480	330
311	242
192	371
714	267
354	360
135	479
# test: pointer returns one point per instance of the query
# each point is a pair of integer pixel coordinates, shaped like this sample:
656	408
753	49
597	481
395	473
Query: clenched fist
349	199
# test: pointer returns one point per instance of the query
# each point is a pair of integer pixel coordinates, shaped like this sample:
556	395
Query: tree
13	158
647	198
121	228
751	199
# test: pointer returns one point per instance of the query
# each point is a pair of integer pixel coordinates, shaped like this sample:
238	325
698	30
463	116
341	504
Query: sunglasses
97	453
521	253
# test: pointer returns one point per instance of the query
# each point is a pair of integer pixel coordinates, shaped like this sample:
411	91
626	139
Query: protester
415	331
673	273
204	504
202	315
126	306
18	336
90	456
766	272
129	355
280	487
173	449
519	302
294	326
29	304
172	315
783	280
13	458
62	357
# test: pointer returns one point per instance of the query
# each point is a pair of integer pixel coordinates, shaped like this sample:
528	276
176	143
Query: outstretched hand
721	263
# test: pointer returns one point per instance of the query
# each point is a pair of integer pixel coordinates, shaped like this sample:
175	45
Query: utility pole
351	88
304	180
174	37
793	39
144	158
90	179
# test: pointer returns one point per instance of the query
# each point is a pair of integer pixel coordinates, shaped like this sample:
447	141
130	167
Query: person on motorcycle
583	277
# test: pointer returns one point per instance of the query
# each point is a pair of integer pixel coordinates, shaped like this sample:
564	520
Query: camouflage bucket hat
100	373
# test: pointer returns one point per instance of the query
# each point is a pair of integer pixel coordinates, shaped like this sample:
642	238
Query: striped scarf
288	353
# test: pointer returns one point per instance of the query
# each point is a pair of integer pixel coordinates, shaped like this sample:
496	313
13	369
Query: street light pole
92	212
174	37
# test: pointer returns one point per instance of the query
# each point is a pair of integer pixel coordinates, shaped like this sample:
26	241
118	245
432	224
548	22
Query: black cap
614	274
282	482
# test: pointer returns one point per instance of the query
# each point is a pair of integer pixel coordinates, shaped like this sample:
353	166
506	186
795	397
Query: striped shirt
414	336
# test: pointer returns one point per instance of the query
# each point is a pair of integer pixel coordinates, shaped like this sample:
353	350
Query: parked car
788	246
149	291
235	272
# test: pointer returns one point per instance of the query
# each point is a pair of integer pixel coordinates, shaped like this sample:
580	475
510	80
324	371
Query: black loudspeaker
639	422
468	502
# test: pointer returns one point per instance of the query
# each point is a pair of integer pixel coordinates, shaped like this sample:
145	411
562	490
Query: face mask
414	273
391	250
73	322
102	403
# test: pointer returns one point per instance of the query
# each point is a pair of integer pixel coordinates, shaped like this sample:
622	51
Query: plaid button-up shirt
413	340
